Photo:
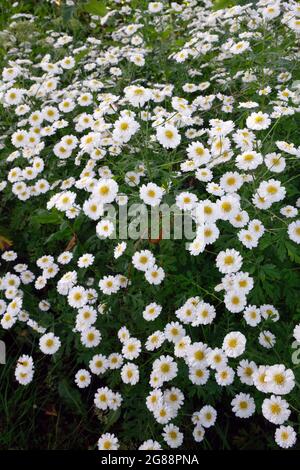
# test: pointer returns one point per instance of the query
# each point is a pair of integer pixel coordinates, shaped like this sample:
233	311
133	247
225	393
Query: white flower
224	377
155	275
86	260
275	409
98	364
143	260
172	436
24	377
199	433
229	261
168	136
252	315
294	231
119	249
49	344
103	398
258	121
125	127
109	285
151	194
266	339
152	311
90	337
198	153
245	371
130	374
165	367
105	190
186	201
234	344
108	442
243	405
131	348
249	160
235	301
137	95
82	378
207	416
77	297
281	380
150	445
104	228
285	437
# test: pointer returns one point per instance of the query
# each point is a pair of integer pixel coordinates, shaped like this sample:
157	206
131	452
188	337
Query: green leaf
64	234
96	7
67	13
46	217
70	396
113	417
222	4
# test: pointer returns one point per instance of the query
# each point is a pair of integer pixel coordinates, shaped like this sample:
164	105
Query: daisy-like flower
234	344
229	261
103	398
155	275
267	339
243	405
198	153
258	121
199	433
152	311
276	409
235	301
83	378
98	364
24	377
228	207
109	285
294	231
130	374
105	190
151	194
86	260
166	367
105	228
143	260
249	160
207	416
77	297
186	201
281	380
245	371
252	315
224	377
216	358
155	340
90	337
108	442
131	348
172	436
168	136
285	437
119	249
124	128
49	344
150	445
